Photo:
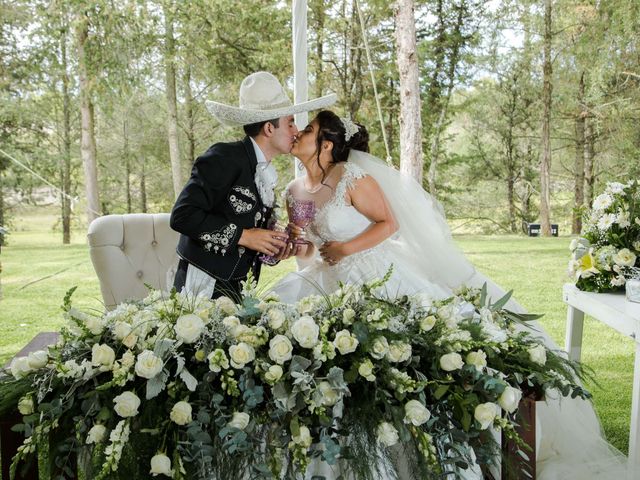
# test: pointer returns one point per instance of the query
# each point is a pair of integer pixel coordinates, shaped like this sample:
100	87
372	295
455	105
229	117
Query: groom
224	209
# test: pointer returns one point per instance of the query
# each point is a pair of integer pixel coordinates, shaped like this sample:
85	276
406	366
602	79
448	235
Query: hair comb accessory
350	128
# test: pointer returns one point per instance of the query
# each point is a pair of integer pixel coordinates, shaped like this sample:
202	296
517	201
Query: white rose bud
148	364
38	359
181	413
96	434
25	405
345	342
366	370
538	354
273	374
240	420
329	396
348	315
227	305
121	330
478	359
416	413
485	413
102	356
94	325
276	318
231	324
428	323
161	465
241	354
280	349
20	367
303	438
510	399
189	328
379	348
126	404
305	330
451	361
399	352
387	434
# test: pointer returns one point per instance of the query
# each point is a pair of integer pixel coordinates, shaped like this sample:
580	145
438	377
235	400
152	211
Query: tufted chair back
129	251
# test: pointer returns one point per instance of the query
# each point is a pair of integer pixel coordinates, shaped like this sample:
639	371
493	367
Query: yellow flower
587	265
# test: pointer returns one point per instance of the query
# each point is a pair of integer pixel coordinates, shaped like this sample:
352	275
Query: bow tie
266	179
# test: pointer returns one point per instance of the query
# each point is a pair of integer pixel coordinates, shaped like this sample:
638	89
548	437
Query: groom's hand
263	241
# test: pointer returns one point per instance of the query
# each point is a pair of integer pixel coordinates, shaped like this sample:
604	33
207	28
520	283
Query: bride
369	217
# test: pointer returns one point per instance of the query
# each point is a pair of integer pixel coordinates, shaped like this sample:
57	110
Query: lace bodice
335	219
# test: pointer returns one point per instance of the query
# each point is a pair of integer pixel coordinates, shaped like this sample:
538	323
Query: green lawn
38	270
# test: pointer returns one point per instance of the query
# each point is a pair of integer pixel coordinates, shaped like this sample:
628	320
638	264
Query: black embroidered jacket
217	203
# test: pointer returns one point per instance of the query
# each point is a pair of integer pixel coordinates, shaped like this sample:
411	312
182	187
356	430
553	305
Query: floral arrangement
605	256
185	387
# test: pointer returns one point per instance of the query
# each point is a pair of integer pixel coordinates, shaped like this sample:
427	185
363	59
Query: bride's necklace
316	188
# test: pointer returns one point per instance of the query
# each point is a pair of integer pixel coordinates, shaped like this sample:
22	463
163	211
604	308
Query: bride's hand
332	252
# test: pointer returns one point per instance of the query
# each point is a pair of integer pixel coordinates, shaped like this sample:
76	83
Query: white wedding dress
570	445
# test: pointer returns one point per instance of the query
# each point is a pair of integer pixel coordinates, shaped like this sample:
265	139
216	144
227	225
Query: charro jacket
218	202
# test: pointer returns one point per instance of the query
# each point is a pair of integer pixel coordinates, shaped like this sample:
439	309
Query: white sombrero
263	98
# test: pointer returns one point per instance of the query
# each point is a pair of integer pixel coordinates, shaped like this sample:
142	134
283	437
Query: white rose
387	434
485	413
280	349
428	323
625	258
38	359
189	328
478	359
303	438
25	406
345	342
130	340
348	315
379	348
329	395
538	354
126	404
121	330
148	365
94	324
181	413
510	399
227	305
240	420
451	361
20	367
241	354
305	331
102	356
161	465
416	413
399	352
96	434
231	323
366	370
276	318
273	374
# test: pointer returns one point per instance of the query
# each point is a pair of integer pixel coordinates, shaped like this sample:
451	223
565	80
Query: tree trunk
172	104
589	164
88	141
127	162
578	169
545	163
2	203
143	189
65	173
319	14
411	158
189	113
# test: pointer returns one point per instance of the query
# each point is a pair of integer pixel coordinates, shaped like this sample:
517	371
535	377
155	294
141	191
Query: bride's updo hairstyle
331	128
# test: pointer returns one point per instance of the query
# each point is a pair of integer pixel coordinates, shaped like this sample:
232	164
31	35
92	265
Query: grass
38	270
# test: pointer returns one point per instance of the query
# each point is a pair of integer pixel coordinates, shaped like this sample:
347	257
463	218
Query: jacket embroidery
239	204
219	240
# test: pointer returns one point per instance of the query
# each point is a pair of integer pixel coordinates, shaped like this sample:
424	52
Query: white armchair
129	251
